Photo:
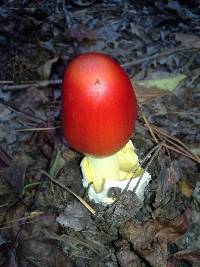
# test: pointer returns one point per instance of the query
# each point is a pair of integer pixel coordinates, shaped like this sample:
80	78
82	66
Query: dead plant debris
46	218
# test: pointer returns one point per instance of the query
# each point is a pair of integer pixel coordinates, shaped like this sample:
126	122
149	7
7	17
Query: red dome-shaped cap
99	106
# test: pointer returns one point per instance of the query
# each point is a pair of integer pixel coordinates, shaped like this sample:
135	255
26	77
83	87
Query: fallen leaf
144	94
5	158
171	231
164	84
151	238
14	175
187	255
185	188
7	252
5	113
75	216
142	235
135	29
157	84
188	40
80	32
32	97
4	95
45	69
125	255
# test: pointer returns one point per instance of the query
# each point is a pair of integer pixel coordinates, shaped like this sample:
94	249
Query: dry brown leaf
32	97
125	255
189	256
142	235
151	238
171	231
80	32
144	95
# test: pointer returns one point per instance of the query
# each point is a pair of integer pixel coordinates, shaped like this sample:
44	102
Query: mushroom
99	110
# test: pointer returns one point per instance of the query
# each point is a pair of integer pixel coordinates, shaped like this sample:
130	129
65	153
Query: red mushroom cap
99	106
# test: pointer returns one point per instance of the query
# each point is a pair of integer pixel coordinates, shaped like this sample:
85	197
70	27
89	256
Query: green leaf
164	84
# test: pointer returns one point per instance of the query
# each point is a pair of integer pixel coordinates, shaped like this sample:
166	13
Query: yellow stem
119	166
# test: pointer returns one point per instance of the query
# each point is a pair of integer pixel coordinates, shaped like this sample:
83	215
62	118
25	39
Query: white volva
113	171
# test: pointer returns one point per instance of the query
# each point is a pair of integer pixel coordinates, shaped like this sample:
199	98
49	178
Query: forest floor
41	222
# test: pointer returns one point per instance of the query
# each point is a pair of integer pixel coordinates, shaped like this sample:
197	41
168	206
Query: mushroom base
113	171
104	199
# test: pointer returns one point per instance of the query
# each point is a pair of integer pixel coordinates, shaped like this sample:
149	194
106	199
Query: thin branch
158	148
70	191
44	83
158	55
148	126
37	129
149	155
172	138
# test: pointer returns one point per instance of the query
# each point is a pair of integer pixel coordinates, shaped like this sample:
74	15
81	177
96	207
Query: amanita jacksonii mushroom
99	110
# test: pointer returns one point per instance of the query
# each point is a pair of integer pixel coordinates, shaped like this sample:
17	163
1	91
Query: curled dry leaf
5	158
14	175
150	239
170	232
125	256
187	255
32	97
45	69
143	235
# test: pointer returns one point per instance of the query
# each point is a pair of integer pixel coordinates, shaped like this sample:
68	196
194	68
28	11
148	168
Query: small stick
6	82
148	126
70	191
154	150
158	55
157	149
180	152
44	83
158	130
36	129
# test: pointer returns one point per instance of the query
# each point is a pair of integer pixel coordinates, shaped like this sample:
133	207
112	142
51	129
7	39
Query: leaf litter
42	224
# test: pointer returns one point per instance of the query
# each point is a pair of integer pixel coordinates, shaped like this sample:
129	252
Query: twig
4	205
158	55
5	158
169	137
168	140
70	191
148	126
158	147
43	83
196	76
30	117
148	155
6	82
154	150
22	224
180	152
36	129
23	218
68	20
